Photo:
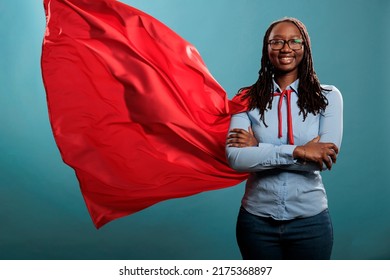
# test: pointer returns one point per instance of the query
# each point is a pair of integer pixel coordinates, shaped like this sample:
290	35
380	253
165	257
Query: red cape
133	108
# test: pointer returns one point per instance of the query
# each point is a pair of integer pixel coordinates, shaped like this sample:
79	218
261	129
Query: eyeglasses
278	44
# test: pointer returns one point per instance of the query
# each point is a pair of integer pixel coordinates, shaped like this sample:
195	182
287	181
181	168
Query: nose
286	47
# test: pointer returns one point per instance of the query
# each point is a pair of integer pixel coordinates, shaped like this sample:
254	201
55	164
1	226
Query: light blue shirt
280	186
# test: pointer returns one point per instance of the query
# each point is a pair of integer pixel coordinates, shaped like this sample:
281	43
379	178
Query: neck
285	79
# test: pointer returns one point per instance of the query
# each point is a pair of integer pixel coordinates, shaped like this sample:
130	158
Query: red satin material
133	108
290	133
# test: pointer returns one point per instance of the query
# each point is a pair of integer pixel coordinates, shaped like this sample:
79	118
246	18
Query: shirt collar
293	86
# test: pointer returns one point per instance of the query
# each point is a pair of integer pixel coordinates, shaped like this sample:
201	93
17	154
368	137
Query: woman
291	132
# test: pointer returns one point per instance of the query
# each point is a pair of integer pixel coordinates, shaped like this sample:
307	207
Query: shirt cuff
286	154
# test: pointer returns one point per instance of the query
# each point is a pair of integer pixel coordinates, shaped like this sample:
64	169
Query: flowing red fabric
133	109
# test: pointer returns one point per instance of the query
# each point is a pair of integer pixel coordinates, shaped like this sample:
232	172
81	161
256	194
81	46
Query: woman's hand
320	153
240	138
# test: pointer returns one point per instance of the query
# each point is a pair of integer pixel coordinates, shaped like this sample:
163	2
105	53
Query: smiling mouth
286	60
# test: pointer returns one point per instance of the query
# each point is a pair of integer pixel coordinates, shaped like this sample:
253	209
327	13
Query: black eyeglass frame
298	47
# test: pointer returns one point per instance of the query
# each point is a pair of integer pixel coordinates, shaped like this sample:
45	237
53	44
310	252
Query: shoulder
241	115
332	93
248	114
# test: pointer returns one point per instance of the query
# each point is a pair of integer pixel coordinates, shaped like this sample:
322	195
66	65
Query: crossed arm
313	151
245	153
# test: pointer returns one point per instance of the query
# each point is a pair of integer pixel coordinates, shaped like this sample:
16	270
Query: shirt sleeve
331	121
263	157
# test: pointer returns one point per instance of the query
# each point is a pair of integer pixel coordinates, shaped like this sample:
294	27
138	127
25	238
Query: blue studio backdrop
42	212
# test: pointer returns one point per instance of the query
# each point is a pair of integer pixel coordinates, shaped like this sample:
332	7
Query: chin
286	70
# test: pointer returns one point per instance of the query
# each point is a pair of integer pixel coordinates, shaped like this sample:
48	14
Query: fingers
328	162
322	153
328	145
333	156
335	148
241	138
329	156
236	137
238	131
325	159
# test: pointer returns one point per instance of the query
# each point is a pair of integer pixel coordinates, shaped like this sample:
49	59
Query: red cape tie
289	117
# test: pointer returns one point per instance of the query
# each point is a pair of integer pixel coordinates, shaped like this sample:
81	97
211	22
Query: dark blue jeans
262	238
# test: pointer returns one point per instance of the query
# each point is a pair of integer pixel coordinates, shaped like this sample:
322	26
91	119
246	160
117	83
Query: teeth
286	59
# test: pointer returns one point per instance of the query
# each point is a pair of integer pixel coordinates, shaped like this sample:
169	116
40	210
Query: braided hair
310	98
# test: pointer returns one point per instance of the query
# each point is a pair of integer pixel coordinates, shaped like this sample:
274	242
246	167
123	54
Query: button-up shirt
280	186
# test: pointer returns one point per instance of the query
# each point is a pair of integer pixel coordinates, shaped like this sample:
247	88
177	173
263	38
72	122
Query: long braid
310	98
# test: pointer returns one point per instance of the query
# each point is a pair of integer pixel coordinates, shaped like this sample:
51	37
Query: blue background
42	213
